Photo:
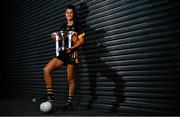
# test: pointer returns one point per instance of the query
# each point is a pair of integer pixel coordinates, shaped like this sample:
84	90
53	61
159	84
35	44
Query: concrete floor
25	107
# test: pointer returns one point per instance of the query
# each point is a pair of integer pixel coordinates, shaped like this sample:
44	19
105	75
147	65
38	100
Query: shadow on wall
93	51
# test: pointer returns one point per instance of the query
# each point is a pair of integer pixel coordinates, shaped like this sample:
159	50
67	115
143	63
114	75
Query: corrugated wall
130	62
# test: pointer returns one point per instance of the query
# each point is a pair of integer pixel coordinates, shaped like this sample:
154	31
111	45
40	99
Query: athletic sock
49	90
70	99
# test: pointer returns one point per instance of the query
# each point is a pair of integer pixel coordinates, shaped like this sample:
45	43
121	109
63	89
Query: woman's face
69	14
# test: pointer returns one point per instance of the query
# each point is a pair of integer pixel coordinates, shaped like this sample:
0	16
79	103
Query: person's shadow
93	50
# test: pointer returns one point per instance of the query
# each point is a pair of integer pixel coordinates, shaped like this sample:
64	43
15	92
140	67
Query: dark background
7	14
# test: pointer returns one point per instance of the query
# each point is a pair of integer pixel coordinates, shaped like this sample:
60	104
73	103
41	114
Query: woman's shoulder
80	28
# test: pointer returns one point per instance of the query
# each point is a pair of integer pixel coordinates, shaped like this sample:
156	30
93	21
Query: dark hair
74	12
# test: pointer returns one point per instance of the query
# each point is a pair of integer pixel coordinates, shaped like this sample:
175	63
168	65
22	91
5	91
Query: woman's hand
69	50
53	35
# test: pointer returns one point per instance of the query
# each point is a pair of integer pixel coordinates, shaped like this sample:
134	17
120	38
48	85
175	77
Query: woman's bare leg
49	68
71	78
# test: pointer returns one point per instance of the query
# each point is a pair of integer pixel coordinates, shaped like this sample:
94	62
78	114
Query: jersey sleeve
80	30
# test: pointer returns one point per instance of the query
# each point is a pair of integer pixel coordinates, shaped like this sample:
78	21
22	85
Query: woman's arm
79	40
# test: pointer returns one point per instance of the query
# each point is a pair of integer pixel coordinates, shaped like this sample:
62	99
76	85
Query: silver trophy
63	40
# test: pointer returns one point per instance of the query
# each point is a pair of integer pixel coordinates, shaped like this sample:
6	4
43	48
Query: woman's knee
46	70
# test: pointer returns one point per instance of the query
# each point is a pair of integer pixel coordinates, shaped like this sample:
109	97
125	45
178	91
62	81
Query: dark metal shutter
130	61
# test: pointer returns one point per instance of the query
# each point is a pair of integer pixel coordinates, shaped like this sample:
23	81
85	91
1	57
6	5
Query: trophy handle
62	41
57	44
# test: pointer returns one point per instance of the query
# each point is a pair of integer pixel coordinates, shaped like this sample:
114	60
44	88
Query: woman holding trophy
71	37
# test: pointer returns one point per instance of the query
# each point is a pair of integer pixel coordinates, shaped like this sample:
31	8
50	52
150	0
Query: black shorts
66	58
